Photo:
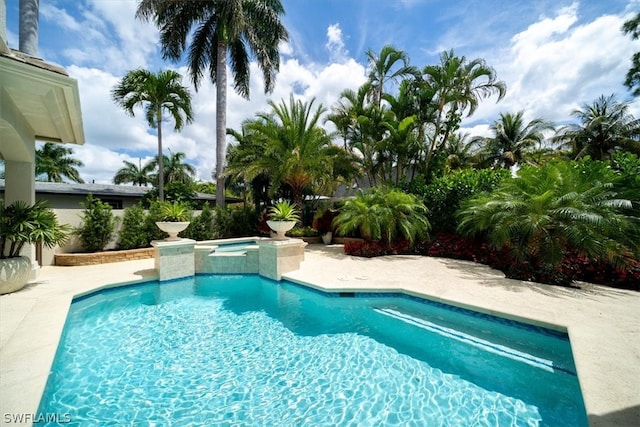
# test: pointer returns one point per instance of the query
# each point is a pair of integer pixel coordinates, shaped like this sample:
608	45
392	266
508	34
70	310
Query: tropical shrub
546	212
323	221
454	246
235	222
173	191
154	214
384	214
201	227
133	233
22	224
444	194
302	232
627	168
98	225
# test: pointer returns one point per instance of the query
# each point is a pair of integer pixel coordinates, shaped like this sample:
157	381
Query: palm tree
56	163
381	70
605	126
218	28
287	145
369	141
460	152
457	86
157	93
513	142
244	166
174	169
137	175
632	80
403	131
554	208
344	115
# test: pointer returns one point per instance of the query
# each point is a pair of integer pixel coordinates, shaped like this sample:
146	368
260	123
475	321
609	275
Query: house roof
41	95
105	190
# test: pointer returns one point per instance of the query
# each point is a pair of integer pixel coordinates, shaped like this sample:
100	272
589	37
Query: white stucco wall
73	217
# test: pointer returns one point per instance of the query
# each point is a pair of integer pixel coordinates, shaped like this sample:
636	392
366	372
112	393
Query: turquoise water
243	350
233	247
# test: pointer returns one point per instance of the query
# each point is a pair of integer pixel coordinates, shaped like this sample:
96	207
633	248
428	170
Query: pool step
498	349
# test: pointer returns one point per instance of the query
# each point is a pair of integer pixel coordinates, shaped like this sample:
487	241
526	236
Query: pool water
244	350
234	247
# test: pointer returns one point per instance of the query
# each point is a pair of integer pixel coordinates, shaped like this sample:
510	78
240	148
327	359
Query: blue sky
554	55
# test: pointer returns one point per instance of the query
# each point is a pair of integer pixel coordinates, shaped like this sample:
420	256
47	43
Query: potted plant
175	218
324	224
20	224
283	216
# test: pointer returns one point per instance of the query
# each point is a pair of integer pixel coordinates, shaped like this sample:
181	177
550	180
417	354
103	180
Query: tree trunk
160	159
221	121
28	26
432	145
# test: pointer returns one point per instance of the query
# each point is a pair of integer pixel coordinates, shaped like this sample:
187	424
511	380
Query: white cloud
558	64
105	34
101	163
60	16
335	44
285	49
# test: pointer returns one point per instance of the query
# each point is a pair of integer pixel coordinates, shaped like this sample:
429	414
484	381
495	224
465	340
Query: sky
553	55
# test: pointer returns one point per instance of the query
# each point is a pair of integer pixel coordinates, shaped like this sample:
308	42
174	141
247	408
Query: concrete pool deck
603	323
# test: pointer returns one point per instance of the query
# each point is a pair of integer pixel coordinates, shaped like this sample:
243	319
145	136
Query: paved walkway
603	323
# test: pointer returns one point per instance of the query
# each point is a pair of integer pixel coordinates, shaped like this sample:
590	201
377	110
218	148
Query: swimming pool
246	350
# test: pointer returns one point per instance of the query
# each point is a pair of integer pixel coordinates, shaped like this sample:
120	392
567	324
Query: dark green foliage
21	223
133	233
632	80
154	214
444	195
546	212
323	222
235	222
173	191
627	167
201	227
302	232
383	214
98	225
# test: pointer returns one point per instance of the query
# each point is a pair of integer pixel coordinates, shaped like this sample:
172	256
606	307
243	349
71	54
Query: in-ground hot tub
249	255
234	245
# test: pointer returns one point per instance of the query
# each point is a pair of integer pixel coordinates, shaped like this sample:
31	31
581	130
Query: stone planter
172	228
327	237
281	227
14	274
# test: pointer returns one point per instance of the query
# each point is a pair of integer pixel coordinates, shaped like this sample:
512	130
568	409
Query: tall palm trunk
221	121
432	144
28	26
160	159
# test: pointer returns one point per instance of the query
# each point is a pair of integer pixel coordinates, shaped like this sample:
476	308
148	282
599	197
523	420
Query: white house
38	101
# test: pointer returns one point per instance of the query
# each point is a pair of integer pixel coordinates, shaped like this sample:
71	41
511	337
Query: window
114	203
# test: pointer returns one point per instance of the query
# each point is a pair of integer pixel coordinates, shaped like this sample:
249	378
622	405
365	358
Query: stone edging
75	259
